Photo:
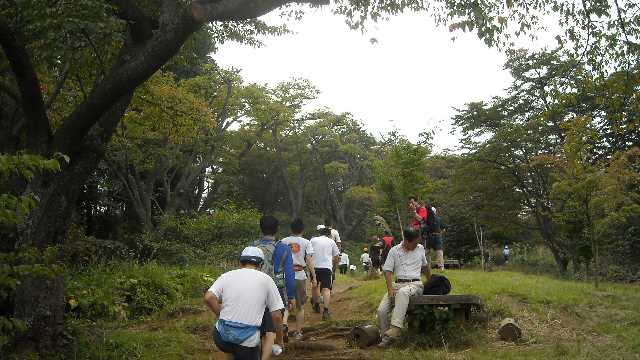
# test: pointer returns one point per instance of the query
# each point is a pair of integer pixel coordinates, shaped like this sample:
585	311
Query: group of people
250	302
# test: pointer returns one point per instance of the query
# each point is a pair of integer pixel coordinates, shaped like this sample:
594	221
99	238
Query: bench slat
445	300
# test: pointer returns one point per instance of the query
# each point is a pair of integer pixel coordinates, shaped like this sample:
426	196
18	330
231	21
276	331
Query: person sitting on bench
407	261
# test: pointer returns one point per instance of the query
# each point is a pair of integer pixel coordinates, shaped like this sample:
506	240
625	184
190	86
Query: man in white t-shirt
334	235
326	257
365	259
344	263
407	261
302	252
239	299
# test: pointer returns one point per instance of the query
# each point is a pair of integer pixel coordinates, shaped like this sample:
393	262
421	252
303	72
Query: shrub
128	291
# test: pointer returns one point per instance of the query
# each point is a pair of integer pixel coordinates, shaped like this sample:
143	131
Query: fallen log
509	330
365	336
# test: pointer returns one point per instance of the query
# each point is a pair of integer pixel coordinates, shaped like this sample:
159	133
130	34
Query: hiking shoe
316	308
298	336
386	341
325	315
285	333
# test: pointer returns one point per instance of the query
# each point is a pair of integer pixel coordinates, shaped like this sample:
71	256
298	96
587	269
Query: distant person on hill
376	254
278	263
407	261
434	231
344	263
334	234
365	259
418	215
302	252
326	257
239	299
505	253
387	240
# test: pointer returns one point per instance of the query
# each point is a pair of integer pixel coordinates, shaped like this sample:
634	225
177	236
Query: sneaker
316	308
298	336
386	341
285	333
325	315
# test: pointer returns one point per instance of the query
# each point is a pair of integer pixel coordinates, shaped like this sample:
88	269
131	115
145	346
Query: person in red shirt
387	241
420	216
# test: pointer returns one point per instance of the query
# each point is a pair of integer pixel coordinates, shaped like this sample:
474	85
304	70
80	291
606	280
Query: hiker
407	261
419	215
239	299
505	253
375	254
302	252
344	263
335	235
365	259
387	240
434	233
326	257
278	263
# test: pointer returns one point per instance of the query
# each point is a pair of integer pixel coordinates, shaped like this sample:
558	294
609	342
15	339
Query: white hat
434	210
252	254
320	227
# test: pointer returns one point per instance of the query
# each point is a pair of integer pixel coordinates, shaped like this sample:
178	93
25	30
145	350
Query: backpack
267	266
437	285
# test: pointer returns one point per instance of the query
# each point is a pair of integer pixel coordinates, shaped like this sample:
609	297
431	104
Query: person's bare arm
426	271
212	302
311	264
388	277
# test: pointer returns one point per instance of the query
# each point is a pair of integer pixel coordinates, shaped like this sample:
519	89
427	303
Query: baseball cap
320	227
252	254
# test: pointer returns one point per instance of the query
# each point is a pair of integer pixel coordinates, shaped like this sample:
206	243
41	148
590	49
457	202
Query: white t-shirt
365	259
244	294
335	235
406	264
300	247
344	259
324	250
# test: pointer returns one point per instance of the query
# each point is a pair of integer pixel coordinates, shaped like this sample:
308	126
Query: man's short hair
297	226
269	225
411	234
412	198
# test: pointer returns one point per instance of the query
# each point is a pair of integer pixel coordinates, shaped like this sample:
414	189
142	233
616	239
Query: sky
411	79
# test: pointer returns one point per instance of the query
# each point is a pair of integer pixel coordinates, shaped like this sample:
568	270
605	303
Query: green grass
560	318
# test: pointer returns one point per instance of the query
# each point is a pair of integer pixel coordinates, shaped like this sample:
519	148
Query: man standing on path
302	251
365	259
239	298
344	263
407	261
326	257
278	263
435	229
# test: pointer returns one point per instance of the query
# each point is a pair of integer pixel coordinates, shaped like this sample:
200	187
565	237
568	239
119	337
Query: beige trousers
398	307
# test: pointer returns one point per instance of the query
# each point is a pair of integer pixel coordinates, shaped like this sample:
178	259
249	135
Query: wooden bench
460	305
448	264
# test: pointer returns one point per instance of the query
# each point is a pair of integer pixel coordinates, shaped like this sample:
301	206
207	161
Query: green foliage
125	291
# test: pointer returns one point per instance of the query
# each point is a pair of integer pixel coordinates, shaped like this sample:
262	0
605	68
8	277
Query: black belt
406	280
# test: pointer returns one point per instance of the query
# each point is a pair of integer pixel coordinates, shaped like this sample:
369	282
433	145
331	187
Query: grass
561	319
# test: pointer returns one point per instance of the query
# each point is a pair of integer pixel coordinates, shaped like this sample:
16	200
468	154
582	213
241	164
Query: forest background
123	143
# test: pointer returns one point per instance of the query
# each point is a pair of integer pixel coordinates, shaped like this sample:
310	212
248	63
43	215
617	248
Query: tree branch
58	88
38	130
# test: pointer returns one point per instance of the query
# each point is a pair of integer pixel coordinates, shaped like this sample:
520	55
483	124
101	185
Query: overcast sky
411	79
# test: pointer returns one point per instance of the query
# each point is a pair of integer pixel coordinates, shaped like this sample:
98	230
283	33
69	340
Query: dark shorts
267	323
434	242
301	293
239	352
325	278
343	268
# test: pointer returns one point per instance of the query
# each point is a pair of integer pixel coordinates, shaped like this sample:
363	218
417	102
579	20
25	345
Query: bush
129	291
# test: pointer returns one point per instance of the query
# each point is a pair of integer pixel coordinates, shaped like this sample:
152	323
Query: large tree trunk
545	224
40	300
